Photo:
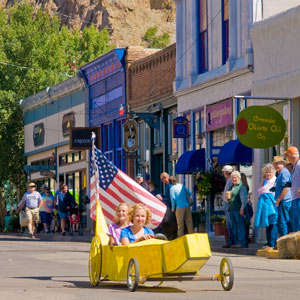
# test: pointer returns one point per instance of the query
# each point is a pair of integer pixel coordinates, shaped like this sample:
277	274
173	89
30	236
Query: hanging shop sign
68	122
181	127
38	134
81	138
130	136
219	115
260	127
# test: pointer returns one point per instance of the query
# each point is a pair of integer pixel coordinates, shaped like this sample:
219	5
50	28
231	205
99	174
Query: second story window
107	146
225	30
203	38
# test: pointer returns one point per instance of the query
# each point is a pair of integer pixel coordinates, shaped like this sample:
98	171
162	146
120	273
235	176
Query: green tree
36	51
156	41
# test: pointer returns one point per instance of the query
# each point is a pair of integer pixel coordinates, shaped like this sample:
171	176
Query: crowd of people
54	212
278	206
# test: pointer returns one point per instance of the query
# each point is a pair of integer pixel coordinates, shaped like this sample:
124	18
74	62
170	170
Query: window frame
203	39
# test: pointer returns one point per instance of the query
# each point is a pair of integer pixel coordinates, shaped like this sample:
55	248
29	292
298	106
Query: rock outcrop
126	20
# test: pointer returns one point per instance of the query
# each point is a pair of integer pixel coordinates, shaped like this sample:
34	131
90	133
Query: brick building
151	102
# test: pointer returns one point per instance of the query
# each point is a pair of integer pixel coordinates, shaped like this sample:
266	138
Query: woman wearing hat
283	195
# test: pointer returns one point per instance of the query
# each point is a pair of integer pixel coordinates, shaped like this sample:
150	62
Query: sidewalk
216	242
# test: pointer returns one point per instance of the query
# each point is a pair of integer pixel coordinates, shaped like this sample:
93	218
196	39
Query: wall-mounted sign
181	127
219	115
68	122
38	134
32	168
260	127
81	138
130	136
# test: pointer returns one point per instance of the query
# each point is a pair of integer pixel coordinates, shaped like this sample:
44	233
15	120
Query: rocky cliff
126	20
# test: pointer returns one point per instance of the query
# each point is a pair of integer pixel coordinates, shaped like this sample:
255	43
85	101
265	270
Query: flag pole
101	225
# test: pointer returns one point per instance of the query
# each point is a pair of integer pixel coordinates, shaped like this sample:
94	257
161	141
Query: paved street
33	269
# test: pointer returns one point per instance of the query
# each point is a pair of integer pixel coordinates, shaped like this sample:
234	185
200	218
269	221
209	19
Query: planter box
219	228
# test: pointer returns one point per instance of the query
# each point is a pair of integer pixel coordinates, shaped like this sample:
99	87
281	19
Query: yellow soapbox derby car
153	260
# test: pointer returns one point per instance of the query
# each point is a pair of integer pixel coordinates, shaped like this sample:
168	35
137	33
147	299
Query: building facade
152	103
214	63
276	75
48	117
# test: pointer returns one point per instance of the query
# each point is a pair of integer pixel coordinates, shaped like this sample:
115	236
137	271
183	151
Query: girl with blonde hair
121	221
139	216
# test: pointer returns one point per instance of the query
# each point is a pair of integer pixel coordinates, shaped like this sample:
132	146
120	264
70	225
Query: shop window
119	153
71	157
225	30
199	129
188	141
203	37
219	137
172	142
157	134
107	148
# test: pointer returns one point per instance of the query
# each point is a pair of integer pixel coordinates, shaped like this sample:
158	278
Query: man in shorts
31	200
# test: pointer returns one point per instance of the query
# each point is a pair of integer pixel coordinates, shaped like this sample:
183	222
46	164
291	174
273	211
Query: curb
268	253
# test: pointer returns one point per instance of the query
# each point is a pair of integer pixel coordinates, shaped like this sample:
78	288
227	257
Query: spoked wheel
226	272
95	261
133	275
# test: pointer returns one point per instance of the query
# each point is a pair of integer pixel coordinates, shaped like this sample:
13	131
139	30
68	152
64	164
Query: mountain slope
127	20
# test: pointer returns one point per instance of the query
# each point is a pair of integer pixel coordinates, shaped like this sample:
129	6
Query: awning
234	152
191	162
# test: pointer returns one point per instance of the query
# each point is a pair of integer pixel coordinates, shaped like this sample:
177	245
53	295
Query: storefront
154	107
48	117
105	79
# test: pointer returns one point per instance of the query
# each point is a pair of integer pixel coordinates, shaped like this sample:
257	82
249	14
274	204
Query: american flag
111	187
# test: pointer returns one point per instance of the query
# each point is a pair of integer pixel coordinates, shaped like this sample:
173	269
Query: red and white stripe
125	189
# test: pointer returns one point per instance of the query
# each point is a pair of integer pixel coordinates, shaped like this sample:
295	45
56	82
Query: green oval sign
260	127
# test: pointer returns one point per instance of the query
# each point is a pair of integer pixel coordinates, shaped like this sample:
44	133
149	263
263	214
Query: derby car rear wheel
226	272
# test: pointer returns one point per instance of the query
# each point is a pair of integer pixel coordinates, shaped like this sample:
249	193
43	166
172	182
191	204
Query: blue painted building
106	81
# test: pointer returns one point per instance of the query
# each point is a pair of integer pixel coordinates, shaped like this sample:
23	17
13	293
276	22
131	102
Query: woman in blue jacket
266	212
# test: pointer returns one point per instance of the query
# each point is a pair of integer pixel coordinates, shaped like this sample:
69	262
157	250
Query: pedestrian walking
266	212
31	200
46	208
237	197
283	196
292	154
65	201
168	224
181	206
227	170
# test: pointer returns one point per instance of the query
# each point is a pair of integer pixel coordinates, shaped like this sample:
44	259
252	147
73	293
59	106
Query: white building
215	63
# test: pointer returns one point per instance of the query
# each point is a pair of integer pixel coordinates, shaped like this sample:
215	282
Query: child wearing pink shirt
121	221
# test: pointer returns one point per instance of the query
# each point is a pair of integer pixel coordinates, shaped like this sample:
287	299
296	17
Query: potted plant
218	223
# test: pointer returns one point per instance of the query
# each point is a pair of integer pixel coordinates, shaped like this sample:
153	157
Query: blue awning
234	152
191	162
